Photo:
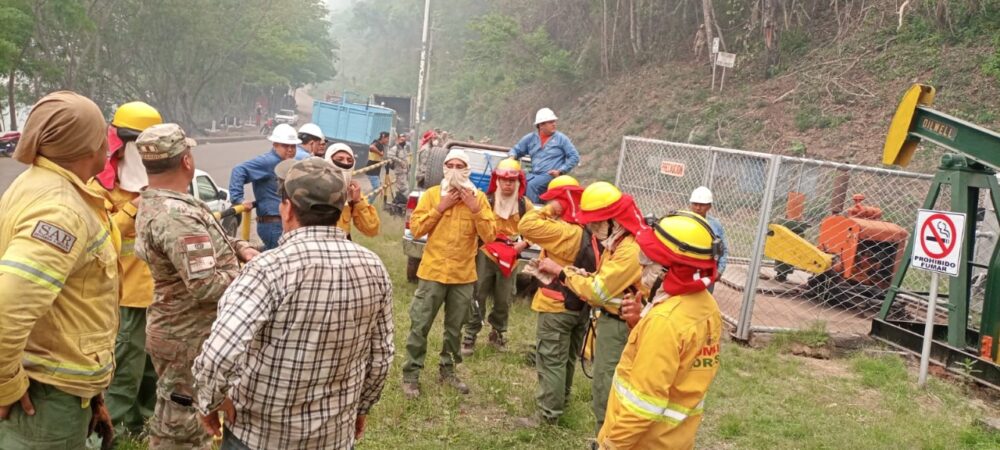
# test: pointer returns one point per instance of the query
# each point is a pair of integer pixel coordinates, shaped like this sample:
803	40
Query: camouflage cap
312	184
163	141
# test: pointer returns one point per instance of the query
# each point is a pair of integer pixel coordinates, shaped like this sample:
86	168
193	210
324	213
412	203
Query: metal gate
823	204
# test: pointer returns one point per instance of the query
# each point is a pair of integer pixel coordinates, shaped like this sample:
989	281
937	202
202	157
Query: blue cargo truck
355	124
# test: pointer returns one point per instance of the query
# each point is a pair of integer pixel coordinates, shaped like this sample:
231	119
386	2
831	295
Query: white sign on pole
725	59
937	246
938	241
715	45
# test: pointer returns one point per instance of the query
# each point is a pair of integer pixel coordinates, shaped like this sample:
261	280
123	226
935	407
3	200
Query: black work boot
498	340
449	378
468	345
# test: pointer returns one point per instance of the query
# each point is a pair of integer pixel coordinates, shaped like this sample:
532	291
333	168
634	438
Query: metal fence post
757	257
710	173
621	162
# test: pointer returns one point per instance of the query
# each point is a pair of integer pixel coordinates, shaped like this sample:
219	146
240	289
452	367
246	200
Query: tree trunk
771	32
10	100
706	8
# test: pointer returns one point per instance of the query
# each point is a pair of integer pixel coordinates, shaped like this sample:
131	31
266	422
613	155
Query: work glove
100	423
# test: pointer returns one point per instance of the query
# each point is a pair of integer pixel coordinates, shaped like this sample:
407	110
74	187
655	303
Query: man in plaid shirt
303	342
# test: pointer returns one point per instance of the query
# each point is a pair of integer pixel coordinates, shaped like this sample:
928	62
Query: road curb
228	139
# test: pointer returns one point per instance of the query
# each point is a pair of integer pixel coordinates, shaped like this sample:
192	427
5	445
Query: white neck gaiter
505	206
456	179
131	173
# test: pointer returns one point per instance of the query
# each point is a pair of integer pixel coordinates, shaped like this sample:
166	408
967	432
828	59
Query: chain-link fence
809	241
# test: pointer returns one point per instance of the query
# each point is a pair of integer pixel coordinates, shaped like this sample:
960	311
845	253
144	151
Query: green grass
761	398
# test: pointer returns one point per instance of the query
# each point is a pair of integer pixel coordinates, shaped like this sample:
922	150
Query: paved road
216	159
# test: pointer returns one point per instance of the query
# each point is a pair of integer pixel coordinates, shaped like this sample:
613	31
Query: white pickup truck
483	158
204	188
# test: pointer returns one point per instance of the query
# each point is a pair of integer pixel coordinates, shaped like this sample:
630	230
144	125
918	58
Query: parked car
286	116
204	188
482	159
8	141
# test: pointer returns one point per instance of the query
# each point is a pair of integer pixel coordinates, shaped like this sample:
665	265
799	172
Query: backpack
586	258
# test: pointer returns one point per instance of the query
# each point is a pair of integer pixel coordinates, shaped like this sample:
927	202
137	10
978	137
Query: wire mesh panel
809	241
837	234
661	175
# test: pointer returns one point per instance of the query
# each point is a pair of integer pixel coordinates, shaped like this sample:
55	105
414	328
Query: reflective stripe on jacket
618	270
59	284
659	387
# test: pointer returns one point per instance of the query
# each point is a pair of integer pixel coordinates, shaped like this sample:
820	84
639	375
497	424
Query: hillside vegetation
813	78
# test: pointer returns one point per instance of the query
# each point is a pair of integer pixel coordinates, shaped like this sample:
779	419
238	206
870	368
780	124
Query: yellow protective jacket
558	239
59	284
363	215
660	383
509	226
137	281
617	270
450	254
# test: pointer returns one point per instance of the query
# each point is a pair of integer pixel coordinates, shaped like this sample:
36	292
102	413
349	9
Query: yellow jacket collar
46	164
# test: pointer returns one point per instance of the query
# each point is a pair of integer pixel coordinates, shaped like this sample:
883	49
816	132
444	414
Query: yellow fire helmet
136	116
599	195
508	168
563	180
684	233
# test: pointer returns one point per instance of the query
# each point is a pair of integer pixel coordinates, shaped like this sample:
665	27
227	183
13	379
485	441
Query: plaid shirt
302	344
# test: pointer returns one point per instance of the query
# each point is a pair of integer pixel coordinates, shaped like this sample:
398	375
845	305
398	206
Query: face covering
600	230
131	172
652	273
505	206
456	179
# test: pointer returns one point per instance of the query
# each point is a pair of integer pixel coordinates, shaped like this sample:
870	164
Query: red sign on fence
674	169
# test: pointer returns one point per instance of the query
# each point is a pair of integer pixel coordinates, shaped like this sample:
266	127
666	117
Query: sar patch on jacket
52	234
200	254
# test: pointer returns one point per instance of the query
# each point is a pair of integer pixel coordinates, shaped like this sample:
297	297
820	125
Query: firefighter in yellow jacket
357	210
672	354
613	218
559	332
132	394
59	281
496	261
452	216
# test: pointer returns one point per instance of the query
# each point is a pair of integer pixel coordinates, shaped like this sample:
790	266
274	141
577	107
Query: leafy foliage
193	60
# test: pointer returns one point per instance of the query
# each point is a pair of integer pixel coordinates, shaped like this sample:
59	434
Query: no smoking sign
939	241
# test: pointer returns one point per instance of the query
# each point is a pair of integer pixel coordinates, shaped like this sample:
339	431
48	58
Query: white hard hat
284	134
312	130
544	115
337	148
701	195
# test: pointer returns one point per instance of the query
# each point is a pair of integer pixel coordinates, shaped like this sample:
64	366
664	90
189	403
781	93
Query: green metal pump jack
963	174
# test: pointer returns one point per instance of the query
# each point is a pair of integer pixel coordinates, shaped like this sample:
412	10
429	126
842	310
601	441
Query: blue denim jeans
269	233
538	183
230	442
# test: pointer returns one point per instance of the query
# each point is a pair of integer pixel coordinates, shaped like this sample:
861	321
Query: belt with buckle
268	219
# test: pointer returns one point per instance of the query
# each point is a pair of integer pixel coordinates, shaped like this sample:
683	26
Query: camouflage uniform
401	171
192	262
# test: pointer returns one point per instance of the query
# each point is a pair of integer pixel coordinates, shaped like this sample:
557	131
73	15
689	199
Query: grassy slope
833	98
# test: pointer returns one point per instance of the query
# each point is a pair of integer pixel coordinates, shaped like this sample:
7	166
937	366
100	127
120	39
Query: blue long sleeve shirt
720	233
558	153
301	153
259	172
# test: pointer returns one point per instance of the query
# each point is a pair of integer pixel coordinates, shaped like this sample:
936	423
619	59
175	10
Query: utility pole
427	72
423	64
